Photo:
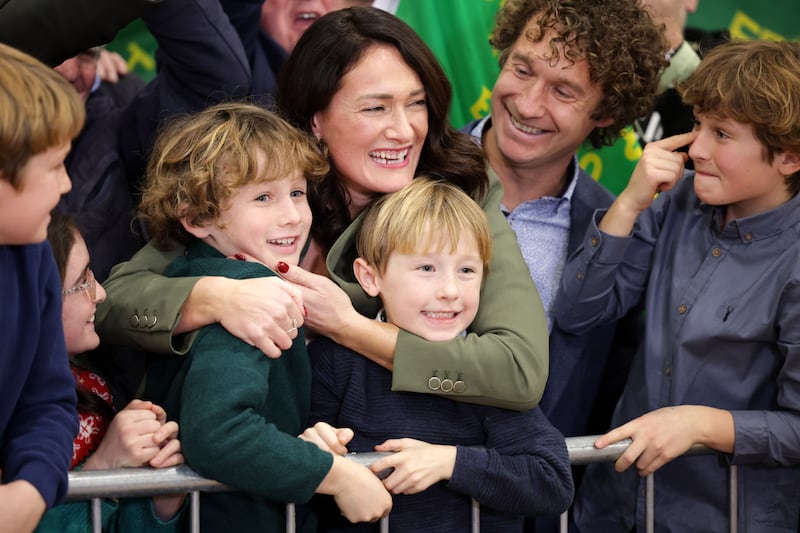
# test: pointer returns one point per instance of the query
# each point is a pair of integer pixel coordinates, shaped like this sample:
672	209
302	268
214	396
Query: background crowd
223	217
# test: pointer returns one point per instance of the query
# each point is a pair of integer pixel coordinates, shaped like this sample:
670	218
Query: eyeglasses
90	284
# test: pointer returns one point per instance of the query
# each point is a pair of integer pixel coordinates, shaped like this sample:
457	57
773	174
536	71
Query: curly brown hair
756	83
199	161
624	50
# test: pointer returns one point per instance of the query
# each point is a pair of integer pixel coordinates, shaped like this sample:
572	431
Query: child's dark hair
61	233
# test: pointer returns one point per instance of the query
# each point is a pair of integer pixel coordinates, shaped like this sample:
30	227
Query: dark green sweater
239	414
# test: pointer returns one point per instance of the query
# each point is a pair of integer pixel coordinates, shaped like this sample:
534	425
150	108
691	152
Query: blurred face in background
81	71
286	20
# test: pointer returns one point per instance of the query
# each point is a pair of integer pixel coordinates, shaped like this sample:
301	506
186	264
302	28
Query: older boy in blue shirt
717	257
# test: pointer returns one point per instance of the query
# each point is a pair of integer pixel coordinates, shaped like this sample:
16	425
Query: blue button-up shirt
542	228
723	330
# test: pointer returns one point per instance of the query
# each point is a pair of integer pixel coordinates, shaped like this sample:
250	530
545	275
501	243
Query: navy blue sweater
512	463
38	418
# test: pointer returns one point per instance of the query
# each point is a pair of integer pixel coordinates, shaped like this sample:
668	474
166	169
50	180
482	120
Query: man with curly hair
571	70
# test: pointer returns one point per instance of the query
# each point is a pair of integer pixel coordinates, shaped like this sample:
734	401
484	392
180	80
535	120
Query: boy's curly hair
200	161
624	50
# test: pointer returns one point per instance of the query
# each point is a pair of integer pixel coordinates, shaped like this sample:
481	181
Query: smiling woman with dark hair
365	85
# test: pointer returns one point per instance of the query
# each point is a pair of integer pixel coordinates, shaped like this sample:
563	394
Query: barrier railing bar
649	516
97	515
134	482
194	507
291	518
733	498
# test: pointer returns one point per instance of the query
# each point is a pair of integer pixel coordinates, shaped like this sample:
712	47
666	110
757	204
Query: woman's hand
331	313
263	312
416	464
329	309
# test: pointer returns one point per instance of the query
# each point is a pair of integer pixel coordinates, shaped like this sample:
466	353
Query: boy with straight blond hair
424	251
717	257
41	114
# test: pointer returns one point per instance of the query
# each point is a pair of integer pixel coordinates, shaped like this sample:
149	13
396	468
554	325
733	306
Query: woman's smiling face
375	125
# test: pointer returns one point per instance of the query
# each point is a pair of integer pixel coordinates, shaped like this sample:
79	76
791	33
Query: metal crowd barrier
95	485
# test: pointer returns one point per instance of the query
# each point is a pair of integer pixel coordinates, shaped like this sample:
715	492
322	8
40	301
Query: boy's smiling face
431	293
731	168
269	220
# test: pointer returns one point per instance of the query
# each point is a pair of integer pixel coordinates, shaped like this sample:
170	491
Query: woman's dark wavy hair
61	233
312	75
624	50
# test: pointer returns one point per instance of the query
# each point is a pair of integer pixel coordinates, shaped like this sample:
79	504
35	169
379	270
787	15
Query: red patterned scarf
93	426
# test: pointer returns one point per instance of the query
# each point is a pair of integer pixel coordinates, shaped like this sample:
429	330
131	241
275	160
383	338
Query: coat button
151	321
594	241
447	385
459	387
434	383
716	252
682	309
134	321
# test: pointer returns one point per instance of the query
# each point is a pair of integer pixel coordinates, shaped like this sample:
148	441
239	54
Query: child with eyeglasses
41	114
137	435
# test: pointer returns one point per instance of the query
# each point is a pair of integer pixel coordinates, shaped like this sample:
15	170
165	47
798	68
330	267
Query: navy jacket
38	419
201	61
584	380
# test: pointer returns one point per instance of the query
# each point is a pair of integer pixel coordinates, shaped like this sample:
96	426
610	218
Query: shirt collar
760	226
486	122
